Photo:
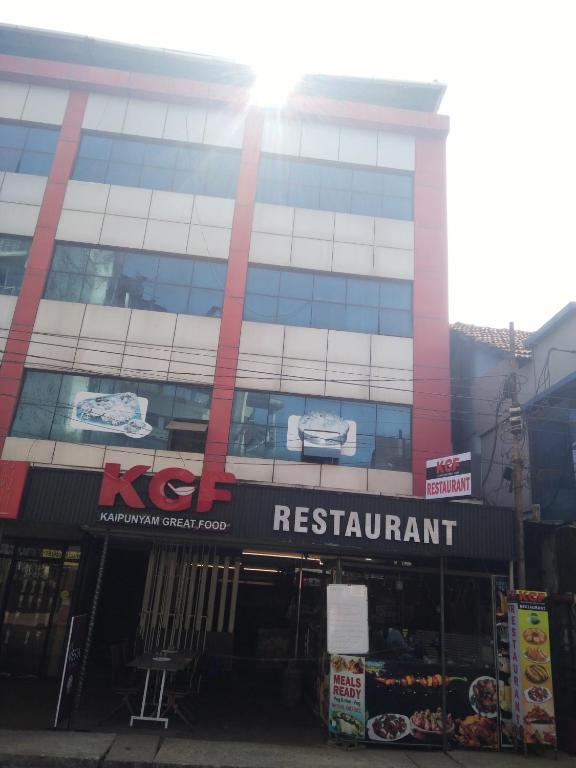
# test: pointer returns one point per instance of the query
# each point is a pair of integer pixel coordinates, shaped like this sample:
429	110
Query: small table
157	661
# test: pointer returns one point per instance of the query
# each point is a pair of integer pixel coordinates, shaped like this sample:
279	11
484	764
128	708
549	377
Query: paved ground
62	749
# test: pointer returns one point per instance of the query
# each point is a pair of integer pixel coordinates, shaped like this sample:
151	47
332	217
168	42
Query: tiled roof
498	338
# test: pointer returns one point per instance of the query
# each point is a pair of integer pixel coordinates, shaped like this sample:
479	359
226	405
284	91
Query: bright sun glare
273	84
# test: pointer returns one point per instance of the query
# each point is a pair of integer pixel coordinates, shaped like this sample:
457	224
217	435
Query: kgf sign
449	477
117	484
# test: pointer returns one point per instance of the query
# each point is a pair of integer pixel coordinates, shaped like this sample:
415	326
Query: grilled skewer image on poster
404	704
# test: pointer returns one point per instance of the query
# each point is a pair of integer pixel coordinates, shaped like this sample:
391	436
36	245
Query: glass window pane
178	271
188	158
160	397
13	136
397	185
101	262
306	174
219	184
33	421
206	302
41	388
296	285
336	178
364	414
70	258
363	292
9	159
366	204
275	168
89	169
95	147
62	286
186	181
126	151
125	174
140	266
209	274
294	312
156	178
265	281
393	421
361	319
329	288
282	407
42	140
95	290
395	322
191	403
38	163
273	192
171	298
327	315
261	309
253	408
335	200
303	197
161	155
397	208
397	295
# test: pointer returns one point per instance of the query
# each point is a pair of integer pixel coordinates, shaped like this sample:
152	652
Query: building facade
225	338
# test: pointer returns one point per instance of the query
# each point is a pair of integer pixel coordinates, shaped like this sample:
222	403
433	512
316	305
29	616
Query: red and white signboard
449	477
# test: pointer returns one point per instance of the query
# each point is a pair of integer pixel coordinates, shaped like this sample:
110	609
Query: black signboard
313	520
71	669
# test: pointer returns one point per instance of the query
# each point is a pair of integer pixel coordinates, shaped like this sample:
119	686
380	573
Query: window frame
30	153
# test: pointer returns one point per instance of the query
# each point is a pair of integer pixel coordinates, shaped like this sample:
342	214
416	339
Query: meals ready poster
347	692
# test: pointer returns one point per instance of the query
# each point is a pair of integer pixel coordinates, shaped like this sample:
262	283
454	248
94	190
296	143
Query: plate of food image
538	694
537	673
535	636
388	727
346	725
536	654
427	723
483	695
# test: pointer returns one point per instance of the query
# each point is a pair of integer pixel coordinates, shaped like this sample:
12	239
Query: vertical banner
533	696
347	697
71	669
503	669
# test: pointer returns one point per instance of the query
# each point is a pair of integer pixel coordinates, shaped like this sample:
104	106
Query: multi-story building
195	286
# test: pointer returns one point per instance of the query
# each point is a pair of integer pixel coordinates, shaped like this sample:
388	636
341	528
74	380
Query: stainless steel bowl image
323	428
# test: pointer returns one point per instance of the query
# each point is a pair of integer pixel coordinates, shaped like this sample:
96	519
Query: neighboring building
195	285
546	360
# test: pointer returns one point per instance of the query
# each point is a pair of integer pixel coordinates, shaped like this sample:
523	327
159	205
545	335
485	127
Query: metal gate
190	591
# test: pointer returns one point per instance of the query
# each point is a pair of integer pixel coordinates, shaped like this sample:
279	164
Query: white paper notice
347	616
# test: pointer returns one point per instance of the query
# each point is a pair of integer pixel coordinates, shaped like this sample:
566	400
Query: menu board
347	694
404	704
532	692
347	618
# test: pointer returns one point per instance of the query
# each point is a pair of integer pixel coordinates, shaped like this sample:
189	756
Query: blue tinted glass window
95	147
177	271
156	178
161	155
262	309
341	188
396	295
38	163
395	322
87	169
138	280
361	319
294	312
42	140
209	274
46	408
124	174
329	288
13	256
265	281
219	184
9	159
327	315
128	151
184	181
364	414
13	136
188	158
363	292
205	302
296	285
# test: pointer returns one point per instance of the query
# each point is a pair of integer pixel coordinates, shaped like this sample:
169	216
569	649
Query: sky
509	66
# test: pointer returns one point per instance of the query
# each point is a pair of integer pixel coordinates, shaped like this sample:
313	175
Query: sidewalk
63	749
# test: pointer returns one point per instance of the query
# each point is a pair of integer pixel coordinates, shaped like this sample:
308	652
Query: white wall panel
344	478
168	236
7	307
12	99
45	105
396	150
80	226
389	483
123	231
171	206
311	254
270	249
224	128
128	201
105	113
281	137
320	141
184	123
18	218
393	262
273	219
23	188
358	145
145	117
86	196
315	224
259	470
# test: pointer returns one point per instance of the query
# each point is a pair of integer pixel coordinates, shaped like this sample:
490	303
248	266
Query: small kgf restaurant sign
533	713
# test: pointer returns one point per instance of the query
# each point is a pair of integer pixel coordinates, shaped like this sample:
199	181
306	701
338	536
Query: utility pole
516	428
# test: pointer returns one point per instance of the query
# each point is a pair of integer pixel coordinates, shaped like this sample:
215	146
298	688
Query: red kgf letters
450	465
115	484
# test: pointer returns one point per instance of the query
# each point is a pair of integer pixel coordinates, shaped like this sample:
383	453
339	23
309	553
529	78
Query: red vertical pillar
431	425
38	265
232	311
